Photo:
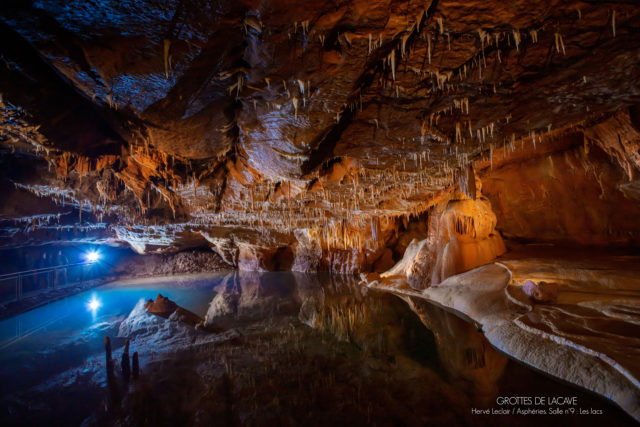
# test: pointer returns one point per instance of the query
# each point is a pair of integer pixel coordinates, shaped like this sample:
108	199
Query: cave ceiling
161	122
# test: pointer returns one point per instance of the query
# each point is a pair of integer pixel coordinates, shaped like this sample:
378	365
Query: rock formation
319	136
541	292
400	140
462	236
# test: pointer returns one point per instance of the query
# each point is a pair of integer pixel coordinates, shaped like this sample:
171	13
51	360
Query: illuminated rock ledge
483	295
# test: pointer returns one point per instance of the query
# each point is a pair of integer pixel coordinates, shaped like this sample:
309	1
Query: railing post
48	274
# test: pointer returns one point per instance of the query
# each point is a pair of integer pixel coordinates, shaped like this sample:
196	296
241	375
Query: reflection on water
312	348
463	351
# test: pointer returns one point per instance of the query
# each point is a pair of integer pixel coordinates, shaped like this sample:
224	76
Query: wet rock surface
597	304
580	327
541	292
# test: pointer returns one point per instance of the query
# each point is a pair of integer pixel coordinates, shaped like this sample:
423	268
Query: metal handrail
17	274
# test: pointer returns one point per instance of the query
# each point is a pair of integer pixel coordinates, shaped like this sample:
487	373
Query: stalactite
516	39
393	63
559	43
404	44
347	39
166	47
458	133
295	106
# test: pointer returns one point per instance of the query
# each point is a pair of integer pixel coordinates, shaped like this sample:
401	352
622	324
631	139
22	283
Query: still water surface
39	349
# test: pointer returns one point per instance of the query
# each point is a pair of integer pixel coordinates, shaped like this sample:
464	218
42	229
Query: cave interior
480	155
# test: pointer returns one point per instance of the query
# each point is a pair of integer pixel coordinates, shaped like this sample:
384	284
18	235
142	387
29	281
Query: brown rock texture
567	191
468	238
462	236
192	261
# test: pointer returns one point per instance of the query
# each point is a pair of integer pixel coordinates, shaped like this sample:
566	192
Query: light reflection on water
56	336
62	336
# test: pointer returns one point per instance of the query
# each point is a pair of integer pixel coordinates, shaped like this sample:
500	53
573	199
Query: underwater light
93	304
92	256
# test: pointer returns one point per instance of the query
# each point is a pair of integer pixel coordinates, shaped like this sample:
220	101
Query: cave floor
598	304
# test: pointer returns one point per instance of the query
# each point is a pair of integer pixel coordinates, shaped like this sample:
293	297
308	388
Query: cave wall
576	195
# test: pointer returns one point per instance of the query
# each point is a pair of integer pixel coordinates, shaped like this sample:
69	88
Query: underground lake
276	348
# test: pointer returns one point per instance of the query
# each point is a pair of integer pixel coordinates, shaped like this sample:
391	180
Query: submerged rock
168	309
162	306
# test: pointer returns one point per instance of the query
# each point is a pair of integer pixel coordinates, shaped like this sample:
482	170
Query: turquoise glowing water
61	335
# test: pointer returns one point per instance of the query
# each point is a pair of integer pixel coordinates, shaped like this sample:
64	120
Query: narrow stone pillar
107	352
135	366
124	364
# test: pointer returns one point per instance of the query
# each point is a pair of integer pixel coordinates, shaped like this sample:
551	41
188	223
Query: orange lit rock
468	238
349	121
256	258
385	261
619	138
462	235
162	306
565	196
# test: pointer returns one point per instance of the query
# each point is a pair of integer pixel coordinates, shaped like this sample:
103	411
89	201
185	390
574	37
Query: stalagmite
135	368
125	364
107	351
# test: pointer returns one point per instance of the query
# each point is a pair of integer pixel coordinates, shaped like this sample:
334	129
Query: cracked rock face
314	135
